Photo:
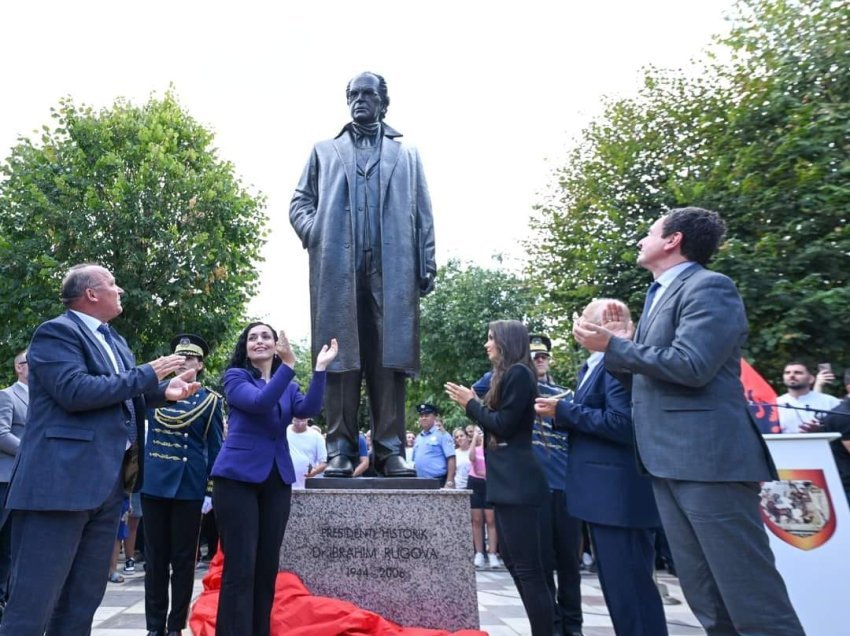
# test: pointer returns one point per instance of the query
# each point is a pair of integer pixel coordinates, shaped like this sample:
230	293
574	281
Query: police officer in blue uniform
434	449
183	441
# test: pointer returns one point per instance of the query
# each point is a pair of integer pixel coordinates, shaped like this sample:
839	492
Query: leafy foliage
141	191
454	328
761	135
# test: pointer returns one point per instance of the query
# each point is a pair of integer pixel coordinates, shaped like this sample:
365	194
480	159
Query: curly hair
702	230
511	338
239	357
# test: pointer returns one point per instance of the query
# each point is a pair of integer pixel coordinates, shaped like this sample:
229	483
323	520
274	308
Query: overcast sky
492	93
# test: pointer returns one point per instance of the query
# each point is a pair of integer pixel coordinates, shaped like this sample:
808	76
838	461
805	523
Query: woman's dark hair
511	338
239	358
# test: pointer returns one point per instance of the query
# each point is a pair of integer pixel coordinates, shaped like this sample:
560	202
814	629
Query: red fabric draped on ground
296	612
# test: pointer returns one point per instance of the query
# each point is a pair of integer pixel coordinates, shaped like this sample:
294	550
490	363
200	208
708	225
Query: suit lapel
345	150
389	158
93	342
671	292
22	395
123	350
590	381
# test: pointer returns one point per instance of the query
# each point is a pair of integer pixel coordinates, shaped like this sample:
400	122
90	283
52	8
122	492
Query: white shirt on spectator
461	468
307	450
811	406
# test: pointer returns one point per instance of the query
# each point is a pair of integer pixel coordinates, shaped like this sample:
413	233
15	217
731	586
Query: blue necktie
128	404
650	294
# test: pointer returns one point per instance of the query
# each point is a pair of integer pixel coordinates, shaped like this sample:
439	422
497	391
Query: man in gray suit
694	432
14	401
84	435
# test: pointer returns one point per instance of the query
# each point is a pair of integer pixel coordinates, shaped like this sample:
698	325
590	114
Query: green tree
140	190
760	134
454	328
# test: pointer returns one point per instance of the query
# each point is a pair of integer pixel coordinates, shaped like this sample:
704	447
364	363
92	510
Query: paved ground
122	612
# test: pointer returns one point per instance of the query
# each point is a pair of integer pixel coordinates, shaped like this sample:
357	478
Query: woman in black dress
516	484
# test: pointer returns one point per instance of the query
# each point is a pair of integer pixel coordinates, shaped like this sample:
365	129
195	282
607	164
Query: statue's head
367	98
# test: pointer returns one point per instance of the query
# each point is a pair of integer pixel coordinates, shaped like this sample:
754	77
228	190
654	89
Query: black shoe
394	466
179	632
155	632
339	466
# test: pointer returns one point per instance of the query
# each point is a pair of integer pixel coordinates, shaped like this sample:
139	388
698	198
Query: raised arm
58	355
604	414
517	392
243	394
710	325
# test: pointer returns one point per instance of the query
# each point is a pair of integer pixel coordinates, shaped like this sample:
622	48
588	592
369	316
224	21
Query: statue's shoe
395	467
339	466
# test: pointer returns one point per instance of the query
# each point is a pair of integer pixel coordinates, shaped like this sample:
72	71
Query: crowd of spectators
454	458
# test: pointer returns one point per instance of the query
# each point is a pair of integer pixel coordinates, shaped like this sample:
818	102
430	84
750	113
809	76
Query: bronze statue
362	211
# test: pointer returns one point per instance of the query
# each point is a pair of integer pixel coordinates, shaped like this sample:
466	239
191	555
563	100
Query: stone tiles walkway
122	612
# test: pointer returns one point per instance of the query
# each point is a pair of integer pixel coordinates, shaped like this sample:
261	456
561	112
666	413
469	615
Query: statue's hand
426	285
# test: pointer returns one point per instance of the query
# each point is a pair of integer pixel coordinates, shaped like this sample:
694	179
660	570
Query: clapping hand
616	320
166	365
594	337
546	407
327	355
460	394
283	350
814	426
182	386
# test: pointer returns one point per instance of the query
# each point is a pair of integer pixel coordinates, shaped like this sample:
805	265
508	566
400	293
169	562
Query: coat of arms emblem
798	508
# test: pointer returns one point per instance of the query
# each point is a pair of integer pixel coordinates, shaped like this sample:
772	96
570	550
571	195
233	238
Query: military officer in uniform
183	441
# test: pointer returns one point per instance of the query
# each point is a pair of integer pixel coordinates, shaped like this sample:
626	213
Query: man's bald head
594	310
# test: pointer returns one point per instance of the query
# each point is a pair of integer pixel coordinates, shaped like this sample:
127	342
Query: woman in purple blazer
253	472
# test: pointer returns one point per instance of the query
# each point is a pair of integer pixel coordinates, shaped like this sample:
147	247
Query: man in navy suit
604	488
694	432
85	428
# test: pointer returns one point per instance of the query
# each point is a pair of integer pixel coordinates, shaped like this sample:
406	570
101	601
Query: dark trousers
560	545
723	557
385	387
625	559
60	565
209	534
171	543
5	545
519	545
251	523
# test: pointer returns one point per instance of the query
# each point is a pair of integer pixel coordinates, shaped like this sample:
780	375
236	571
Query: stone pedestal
405	554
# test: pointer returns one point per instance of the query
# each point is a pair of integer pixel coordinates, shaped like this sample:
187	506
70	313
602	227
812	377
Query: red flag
761	398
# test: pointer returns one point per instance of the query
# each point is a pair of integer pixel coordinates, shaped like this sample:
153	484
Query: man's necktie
650	294
128	404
